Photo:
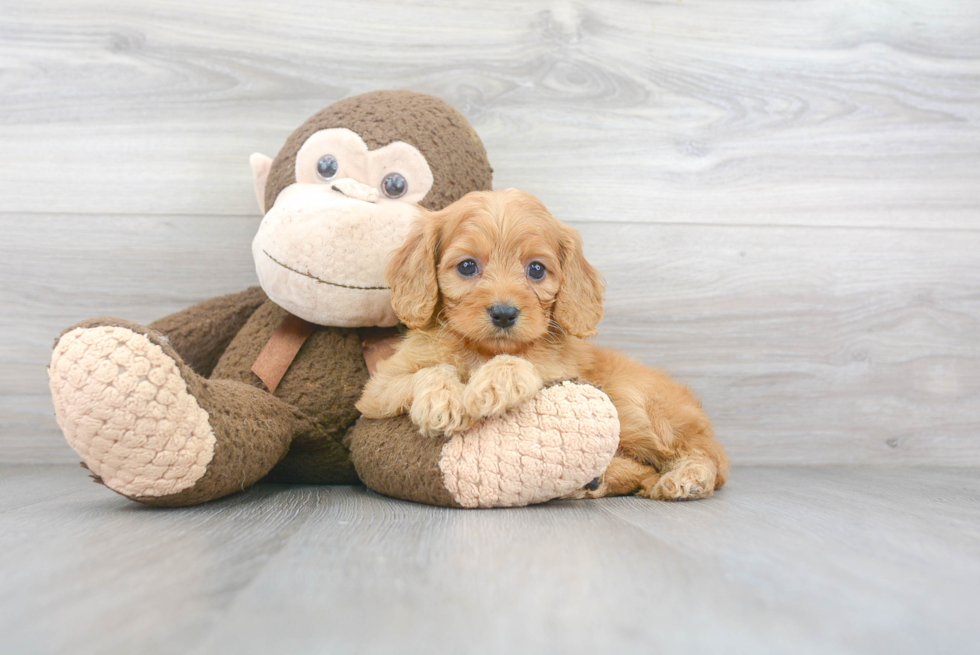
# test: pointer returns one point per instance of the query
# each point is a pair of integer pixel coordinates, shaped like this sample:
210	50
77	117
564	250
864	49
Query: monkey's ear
578	307
411	273
261	165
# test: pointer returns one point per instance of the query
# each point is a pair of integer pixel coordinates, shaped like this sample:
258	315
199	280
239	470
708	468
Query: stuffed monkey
262	384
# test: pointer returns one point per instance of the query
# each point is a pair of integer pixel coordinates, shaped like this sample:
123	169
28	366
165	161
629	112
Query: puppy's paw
689	479
372	402
501	384
438	405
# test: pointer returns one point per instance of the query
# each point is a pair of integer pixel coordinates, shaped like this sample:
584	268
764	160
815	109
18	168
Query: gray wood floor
784	560
783	195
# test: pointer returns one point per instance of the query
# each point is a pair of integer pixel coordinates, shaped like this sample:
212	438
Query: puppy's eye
394	185
327	167
536	270
467	268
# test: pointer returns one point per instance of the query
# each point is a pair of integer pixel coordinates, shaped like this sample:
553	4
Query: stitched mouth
313	277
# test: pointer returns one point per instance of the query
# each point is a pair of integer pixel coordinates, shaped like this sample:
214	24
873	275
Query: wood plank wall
783	195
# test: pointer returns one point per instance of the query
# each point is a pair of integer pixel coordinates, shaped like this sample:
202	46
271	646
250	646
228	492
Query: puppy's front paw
501	384
438	406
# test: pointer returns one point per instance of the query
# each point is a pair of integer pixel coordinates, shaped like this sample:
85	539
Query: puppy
499	299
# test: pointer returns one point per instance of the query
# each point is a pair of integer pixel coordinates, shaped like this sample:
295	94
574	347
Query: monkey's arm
201	332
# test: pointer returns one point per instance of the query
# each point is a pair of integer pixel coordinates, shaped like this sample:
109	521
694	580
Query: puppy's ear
578	306
411	273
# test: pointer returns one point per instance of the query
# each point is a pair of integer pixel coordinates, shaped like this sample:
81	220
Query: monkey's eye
327	167
536	270
394	185
467	268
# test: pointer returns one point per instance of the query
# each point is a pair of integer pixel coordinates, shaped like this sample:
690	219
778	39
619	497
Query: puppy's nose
503	316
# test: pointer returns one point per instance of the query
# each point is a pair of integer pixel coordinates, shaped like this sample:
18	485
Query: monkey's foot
126	410
557	442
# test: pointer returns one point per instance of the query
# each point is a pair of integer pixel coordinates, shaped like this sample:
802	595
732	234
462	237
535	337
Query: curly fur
456	365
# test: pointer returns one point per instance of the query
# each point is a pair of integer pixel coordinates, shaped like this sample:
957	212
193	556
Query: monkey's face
321	250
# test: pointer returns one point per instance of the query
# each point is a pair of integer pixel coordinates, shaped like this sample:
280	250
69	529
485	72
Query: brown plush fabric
327	462
202	332
393	459
253	428
452	147
324	380
253	431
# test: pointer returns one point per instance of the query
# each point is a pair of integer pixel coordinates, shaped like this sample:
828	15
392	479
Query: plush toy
262	384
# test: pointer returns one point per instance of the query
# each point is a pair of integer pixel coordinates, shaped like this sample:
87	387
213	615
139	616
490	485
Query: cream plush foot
555	443
125	409
154	431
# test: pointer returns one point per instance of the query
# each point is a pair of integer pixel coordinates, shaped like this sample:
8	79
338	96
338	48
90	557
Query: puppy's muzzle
503	315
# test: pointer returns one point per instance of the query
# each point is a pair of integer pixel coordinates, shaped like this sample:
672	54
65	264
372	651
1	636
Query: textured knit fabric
134	410
547	448
151	438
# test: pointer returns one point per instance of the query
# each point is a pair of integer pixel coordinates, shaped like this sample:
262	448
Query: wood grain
819	560
782	195
815	113
807	345
134	267
113	574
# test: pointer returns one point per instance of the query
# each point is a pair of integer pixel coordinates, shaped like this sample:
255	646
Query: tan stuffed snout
356	190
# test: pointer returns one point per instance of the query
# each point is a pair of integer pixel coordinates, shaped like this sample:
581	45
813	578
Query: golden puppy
499	298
